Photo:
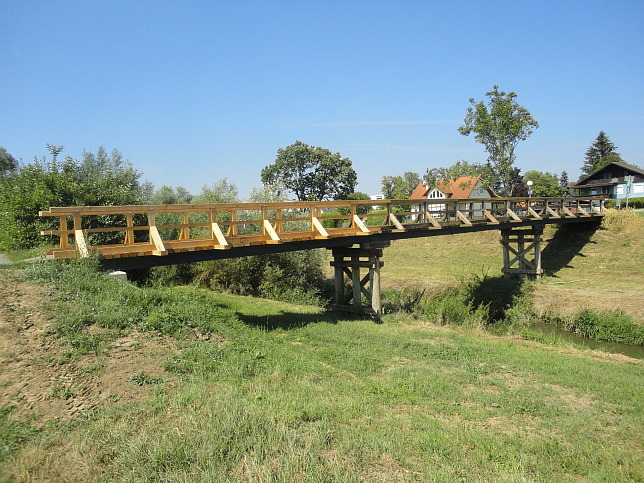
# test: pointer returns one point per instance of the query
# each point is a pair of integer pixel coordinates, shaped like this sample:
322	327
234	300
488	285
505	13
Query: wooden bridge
139	236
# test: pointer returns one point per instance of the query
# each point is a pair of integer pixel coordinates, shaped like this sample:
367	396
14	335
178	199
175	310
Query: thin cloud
403	148
370	123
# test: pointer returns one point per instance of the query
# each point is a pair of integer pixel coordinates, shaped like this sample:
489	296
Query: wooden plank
567	212
79	238
219	236
552	213
582	211
490	217
270	231
534	214
394	221
317	225
357	222
594	209
463	218
513	215
433	221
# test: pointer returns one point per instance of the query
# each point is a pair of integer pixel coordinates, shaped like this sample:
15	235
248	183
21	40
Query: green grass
297	394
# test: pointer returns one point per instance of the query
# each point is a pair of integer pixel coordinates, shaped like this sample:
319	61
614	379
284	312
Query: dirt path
4	260
38	377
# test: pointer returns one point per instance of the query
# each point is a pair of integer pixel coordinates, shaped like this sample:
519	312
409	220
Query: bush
612	327
99	179
295	277
453	306
617	220
632	203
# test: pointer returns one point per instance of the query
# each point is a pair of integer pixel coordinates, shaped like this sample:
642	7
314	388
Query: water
550	330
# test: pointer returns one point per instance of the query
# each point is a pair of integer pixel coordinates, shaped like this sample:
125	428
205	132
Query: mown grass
307	396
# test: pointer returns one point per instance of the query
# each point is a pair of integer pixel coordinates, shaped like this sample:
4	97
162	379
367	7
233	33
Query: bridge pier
348	261
522	252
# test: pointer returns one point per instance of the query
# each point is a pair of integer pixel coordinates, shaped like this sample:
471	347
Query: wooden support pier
522	252
349	261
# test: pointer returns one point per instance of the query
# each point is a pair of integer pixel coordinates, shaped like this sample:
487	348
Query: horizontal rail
221	226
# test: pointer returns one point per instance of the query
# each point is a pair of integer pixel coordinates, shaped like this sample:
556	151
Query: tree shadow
499	292
496	292
565	245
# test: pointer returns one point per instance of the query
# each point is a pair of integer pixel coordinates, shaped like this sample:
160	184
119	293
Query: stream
550	330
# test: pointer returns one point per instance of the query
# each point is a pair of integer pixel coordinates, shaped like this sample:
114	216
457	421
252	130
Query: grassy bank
592	283
248	390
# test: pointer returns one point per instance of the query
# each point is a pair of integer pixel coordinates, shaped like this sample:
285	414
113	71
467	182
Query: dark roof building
612	181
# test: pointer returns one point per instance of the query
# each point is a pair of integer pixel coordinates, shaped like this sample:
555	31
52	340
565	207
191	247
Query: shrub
295	277
617	220
611	326
632	203
99	179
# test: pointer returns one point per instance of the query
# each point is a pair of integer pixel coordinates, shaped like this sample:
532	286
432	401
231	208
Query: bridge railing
136	230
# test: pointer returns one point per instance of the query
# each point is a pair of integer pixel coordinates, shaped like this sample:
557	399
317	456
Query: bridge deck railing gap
158	230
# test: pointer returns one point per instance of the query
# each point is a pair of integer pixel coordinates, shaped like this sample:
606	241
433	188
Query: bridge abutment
522	252
348	261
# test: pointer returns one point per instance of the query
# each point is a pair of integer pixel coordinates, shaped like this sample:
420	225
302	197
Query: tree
8	163
544	184
99	179
311	173
600	153
499	125
399	187
167	195
221	191
457	170
563	180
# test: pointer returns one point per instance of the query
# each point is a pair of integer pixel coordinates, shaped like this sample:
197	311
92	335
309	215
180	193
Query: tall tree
499	125
311	173
563	181
399	187
600	153
8	163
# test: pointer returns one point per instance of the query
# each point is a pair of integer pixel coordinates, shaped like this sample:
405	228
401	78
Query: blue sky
194	91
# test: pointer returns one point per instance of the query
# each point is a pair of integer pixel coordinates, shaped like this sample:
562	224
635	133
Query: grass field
105	381
120	383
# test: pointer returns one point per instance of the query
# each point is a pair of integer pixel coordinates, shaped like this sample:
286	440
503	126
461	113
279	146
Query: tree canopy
544	184
399	187
311	173
600	153
8	163
458	169
97	179
499	125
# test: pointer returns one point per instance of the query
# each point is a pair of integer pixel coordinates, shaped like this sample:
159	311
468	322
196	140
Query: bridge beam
522	252
349	261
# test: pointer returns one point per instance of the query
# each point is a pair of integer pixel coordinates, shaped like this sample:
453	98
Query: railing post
64	237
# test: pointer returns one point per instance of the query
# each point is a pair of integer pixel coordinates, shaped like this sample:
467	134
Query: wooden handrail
226	225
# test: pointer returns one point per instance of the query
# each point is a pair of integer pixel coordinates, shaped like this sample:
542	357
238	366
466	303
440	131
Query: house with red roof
463	188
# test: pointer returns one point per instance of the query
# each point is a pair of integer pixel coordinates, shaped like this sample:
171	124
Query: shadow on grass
565	245
286	320
497	293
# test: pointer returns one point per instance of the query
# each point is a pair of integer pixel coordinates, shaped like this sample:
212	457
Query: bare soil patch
37	378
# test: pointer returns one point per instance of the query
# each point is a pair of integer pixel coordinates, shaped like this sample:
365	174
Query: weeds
143	378
618	220
13	434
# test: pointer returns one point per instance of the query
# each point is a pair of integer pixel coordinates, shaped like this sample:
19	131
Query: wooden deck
147	235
